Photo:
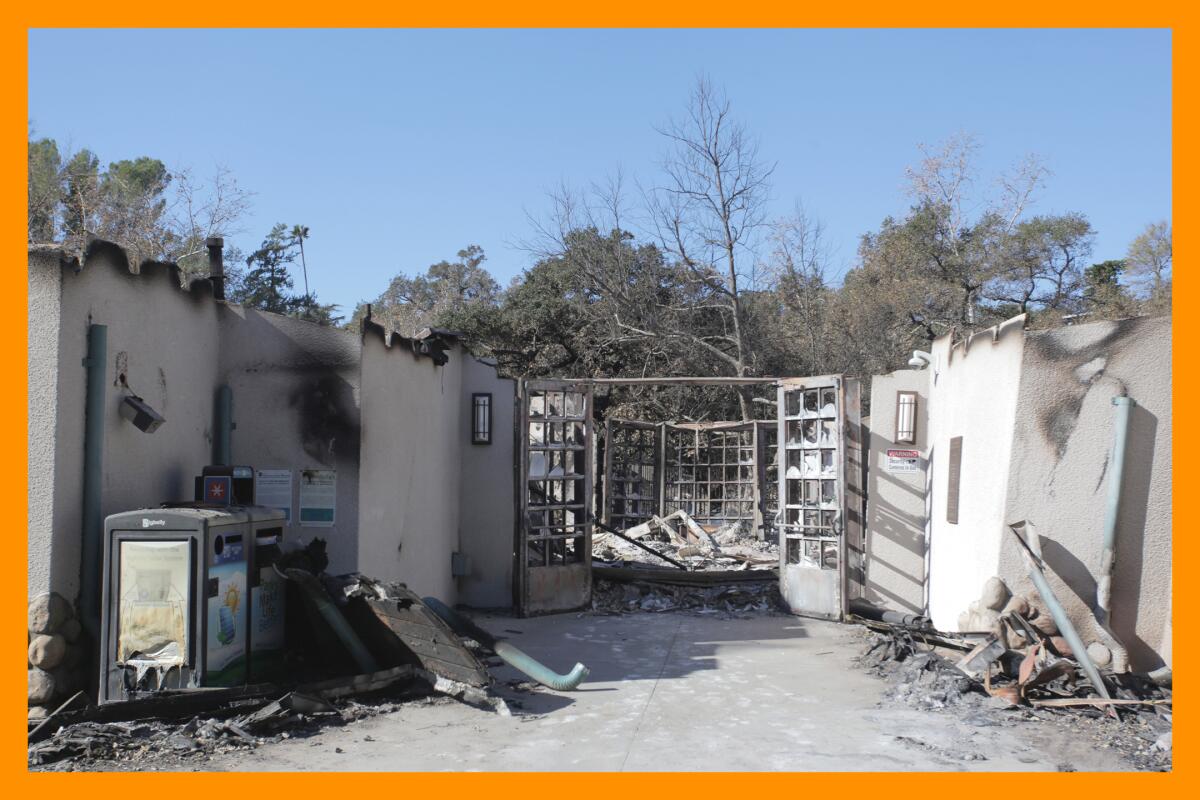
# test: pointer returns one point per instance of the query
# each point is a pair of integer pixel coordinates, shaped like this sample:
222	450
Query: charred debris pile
673	563
1023	676
356	647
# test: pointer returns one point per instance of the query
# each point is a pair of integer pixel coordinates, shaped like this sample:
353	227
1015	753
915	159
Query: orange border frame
539	14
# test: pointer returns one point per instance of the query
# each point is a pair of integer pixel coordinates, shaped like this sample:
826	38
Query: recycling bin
177	599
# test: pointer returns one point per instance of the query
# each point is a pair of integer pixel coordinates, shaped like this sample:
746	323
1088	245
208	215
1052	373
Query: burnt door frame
554	585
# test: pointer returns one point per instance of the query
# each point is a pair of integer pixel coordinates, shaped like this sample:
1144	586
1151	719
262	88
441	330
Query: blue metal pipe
1031	553
507	652
92	544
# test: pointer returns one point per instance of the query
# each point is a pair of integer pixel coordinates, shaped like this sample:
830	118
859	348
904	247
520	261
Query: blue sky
398	148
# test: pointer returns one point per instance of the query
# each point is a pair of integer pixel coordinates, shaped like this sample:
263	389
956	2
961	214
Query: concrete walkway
679	692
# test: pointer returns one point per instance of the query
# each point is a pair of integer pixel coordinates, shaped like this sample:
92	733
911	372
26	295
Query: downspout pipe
1031	553
222	437
1116	474
92	545
508	653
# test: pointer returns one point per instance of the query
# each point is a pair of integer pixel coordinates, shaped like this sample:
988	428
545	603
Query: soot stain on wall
1069	387
328	416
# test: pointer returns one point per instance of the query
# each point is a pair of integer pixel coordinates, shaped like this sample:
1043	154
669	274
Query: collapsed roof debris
681	541
728	571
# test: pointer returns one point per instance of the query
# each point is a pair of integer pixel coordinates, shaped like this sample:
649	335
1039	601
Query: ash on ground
725	600
925	678
184	745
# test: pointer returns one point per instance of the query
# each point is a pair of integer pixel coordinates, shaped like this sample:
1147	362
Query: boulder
1017	604
47	651
41	687
48	612
985	619
70	630
67	680
995	594
1099	653
75	653
1039	615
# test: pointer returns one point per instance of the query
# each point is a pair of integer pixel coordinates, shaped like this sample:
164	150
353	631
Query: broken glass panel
154	587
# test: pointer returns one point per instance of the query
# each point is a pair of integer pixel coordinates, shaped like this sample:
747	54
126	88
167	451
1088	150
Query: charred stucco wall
487	514
294	396
413	433
162	345
296	407
973	393
896	513
1058	477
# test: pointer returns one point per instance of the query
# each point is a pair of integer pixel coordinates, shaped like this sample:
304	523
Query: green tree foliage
45	189
267	283
1103	295
1148	264
152	211
456	295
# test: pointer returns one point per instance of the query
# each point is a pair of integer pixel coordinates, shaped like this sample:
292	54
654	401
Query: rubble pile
745	597
686	542
174	744
918	677
1014	689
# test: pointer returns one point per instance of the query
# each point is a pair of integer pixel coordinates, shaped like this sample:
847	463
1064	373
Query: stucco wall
973	394
1059	473
163	341
487	514
44	288
896	514
413	431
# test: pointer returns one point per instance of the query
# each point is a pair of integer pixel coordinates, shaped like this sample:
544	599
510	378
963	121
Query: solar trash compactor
190	599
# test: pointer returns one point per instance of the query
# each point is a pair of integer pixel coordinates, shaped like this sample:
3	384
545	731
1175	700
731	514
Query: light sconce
481	418
906	417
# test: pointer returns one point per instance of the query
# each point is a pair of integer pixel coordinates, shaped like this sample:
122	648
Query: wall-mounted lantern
906	417
481	418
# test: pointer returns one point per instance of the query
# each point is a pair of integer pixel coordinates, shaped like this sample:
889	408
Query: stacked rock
57	653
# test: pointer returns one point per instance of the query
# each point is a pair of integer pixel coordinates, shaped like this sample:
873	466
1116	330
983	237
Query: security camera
920	359
139	412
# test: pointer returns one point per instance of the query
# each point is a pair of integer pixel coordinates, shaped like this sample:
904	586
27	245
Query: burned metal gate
632	459
554	538
818	495
820	488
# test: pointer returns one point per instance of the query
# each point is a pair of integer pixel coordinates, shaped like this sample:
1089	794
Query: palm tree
299	234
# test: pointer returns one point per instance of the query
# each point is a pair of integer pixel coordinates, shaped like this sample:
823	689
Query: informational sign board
318	497
903	461
273	489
